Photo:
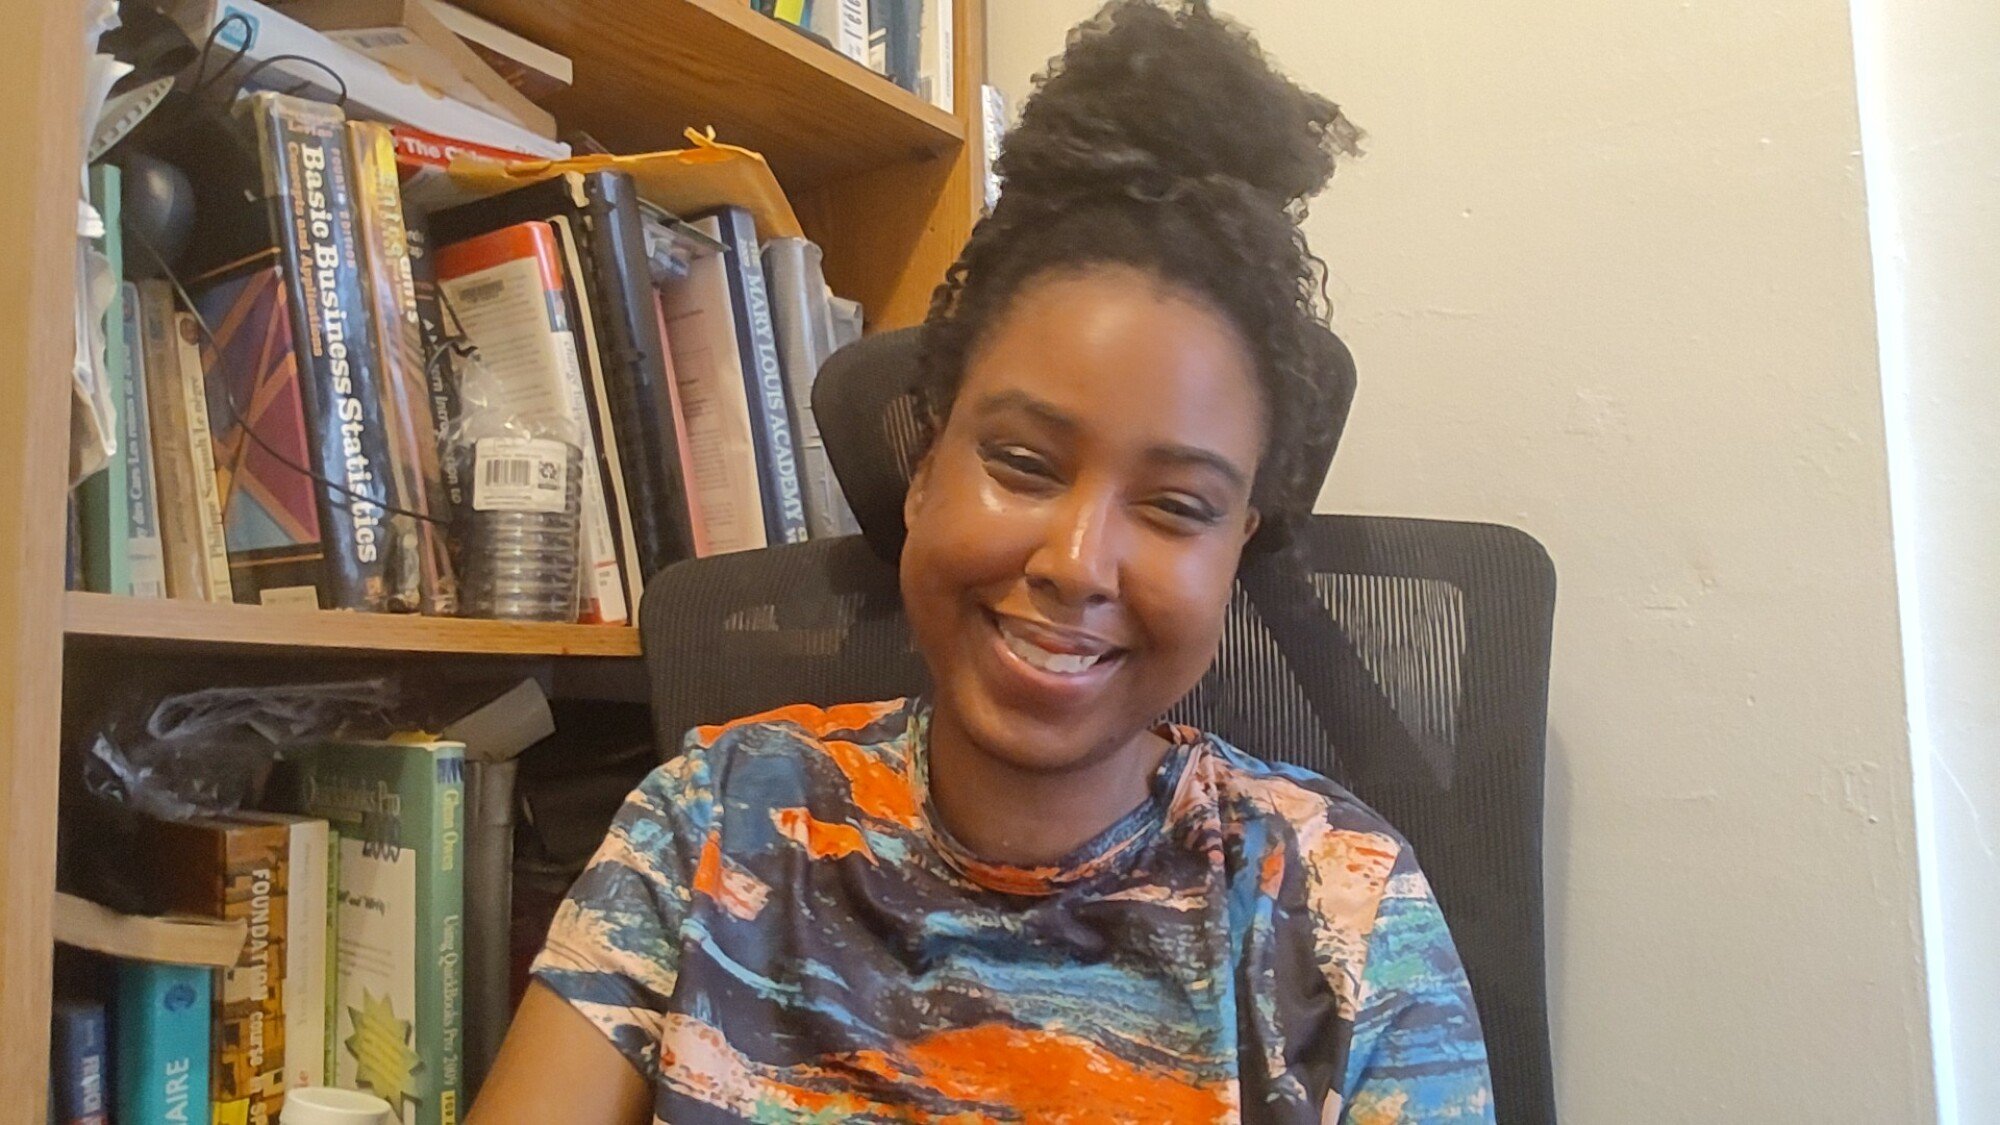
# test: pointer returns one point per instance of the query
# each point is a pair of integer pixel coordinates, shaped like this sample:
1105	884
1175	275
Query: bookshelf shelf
107	618
647	69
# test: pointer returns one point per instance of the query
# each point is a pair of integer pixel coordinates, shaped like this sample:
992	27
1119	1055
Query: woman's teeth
1061	663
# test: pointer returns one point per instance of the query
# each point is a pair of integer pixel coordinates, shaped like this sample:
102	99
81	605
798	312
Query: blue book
162	1057
764	379
79	1063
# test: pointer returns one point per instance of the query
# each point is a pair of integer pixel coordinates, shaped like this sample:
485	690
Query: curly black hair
1162	139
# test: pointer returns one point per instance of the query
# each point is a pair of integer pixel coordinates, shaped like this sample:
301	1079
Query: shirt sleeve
613	951
1417	1054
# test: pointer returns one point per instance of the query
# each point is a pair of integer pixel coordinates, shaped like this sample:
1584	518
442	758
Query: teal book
397	809
160	1060
103	517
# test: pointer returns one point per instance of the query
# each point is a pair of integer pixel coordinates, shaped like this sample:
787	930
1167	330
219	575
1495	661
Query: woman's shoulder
805	726
1247	787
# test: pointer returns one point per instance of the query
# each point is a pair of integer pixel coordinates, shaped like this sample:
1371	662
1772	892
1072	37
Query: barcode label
520	475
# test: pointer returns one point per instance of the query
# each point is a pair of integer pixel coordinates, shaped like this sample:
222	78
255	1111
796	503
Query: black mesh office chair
1407	659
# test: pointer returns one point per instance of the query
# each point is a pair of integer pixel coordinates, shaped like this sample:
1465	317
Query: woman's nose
1077	560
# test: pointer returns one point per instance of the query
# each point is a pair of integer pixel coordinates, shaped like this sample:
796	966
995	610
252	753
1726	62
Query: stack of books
318	945
907	41
291	425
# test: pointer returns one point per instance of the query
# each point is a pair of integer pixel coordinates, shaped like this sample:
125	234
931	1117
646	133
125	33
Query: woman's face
1075	529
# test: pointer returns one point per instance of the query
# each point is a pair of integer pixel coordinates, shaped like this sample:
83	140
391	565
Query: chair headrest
865	402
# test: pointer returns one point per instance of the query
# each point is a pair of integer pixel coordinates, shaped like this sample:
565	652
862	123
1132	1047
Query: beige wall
1606	273
1928	91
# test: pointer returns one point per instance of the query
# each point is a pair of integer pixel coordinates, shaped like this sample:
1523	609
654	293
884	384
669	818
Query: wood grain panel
40	96
204	626
647	69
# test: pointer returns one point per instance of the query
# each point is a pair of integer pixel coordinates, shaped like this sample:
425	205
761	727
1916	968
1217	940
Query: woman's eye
1018	463
1188	510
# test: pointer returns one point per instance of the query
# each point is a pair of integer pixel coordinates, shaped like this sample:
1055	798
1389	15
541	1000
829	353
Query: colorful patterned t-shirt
778	929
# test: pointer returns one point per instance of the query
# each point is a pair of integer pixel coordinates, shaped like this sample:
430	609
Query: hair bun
1146	95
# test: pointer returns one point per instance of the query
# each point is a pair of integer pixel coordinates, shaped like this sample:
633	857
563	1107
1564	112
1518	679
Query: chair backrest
1407	659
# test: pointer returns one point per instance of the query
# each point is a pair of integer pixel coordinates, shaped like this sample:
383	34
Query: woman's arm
557	1066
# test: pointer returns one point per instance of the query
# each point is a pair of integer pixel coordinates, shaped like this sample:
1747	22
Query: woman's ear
1252	520
920	476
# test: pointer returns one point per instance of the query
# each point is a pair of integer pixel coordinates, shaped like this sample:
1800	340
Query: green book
399	868
104	522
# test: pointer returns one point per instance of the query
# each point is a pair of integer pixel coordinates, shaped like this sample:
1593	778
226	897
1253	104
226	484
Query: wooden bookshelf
647	70
887	184
103	619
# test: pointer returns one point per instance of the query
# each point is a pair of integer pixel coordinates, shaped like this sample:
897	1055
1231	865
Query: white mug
324	1105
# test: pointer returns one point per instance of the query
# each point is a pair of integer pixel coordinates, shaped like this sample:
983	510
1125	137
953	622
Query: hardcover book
421	577
506	288
398	810
235	868
104	528
80	1063
160	1063
715	396
135	448
804	326
306	213
256	412
308	933
764	379
190	513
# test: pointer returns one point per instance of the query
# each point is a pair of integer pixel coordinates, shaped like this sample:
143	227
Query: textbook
507	290
763	378
300	217
398	810
421	576
715	398
160	1060
235	868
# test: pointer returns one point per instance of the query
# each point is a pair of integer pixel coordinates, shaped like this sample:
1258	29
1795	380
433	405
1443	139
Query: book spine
330	1010
142	512
423	577
441	979
102	516
784	508
174	489
306	943
80	1063
438	329
161	1061
851	32
798	313
307	182
697	525
191	376
248	1077
597	407
636	369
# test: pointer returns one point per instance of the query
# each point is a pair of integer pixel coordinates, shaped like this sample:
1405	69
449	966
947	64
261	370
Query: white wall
1606	274
1930	85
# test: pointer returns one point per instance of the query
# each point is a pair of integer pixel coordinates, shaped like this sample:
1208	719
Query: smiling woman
1024	897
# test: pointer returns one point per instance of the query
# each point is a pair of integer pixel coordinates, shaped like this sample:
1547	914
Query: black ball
159	210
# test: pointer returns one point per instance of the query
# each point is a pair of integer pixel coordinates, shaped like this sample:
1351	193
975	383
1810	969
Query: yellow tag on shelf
684	181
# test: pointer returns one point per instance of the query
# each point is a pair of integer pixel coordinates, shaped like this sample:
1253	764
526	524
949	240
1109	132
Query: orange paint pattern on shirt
1046	1076
734	889
815	721
879	789
821	839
